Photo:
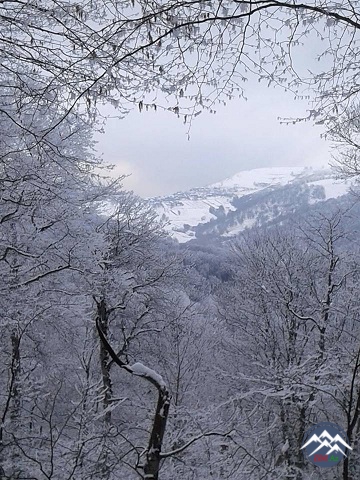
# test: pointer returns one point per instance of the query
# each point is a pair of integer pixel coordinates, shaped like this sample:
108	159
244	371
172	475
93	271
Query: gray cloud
154	148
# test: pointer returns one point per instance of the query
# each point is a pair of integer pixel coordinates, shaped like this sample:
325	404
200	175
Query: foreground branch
153	452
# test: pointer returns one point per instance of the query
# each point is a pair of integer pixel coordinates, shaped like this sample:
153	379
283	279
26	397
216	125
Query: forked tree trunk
151	466
103	318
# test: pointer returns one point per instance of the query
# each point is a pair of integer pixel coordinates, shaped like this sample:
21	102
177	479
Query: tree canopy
180	55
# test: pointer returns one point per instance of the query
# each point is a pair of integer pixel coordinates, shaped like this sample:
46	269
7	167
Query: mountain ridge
247	199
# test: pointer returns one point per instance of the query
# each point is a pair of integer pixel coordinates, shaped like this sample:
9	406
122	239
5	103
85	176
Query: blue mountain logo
325	445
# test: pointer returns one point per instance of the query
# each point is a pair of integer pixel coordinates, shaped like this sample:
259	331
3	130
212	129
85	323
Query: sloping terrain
250	198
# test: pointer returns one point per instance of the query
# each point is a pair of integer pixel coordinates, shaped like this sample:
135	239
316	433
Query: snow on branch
193	440
137	369
142	371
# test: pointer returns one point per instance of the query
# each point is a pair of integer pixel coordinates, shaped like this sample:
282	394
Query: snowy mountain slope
247	199
250	181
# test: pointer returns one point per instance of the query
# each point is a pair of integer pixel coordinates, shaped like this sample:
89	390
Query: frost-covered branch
193	440
138	369
153	452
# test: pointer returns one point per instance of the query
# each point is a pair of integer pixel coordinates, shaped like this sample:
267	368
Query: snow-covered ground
191	212
333	188
197	206
250	181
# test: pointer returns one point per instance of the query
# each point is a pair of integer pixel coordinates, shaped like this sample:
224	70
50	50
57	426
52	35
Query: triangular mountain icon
337	438
314	438
335	448
325	443
327	435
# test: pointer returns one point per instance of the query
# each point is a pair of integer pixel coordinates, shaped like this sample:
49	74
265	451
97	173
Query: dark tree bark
153	454
103	320
352	414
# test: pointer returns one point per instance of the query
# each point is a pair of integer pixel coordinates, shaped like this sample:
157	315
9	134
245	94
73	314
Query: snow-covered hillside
245	199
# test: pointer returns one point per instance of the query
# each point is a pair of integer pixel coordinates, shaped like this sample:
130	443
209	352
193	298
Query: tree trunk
153	454
152	465
12	406
103	317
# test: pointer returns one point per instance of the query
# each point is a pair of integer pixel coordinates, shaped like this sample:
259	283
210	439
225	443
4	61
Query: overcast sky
153	146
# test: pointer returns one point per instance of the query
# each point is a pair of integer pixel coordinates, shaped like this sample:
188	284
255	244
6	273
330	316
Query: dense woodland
255	339
123	355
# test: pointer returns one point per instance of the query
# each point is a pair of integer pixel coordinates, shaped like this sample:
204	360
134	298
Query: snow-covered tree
77	55
49	245
290	316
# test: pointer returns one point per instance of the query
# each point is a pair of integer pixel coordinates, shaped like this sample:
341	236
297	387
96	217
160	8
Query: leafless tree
195	54
294	334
